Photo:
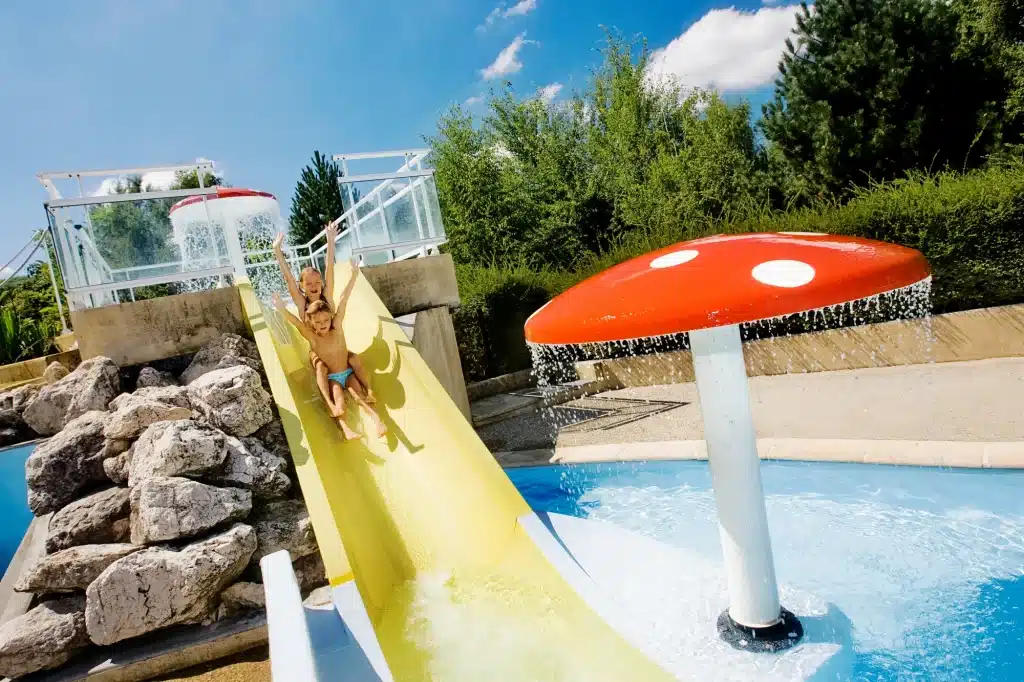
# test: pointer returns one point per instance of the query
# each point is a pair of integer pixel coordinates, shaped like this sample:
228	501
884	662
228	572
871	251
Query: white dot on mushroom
783	273
671	259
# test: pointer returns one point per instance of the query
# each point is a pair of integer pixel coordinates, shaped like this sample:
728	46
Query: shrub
21	338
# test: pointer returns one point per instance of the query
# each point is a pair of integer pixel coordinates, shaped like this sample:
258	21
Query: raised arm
332	236
286	271
296	322
339	314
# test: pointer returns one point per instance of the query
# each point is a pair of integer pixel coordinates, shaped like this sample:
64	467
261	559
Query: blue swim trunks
341	377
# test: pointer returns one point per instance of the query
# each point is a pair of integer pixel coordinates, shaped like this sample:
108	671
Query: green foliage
317	200
22	338
30	296
547	185
871	89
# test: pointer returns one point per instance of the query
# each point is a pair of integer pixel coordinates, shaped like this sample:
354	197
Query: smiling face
319	322
312	283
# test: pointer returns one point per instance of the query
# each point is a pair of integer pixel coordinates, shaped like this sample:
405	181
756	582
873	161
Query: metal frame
78	255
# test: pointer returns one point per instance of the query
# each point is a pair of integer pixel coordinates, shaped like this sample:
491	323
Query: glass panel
433	207
400	214
371	232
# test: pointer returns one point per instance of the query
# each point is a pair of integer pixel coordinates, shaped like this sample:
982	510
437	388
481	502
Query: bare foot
370	397
381	429
347	431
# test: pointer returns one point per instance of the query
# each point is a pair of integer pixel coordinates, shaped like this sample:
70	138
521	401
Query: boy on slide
326	339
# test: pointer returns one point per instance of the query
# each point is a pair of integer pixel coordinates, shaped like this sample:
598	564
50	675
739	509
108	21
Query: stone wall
163	501
29	370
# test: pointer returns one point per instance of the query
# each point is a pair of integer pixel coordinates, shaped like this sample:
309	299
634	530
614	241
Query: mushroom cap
722	280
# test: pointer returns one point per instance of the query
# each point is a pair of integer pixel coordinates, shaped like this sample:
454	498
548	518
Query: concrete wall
433	335
968	335
21	372
416	284
135	333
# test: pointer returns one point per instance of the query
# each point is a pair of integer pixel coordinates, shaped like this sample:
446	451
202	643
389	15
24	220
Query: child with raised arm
323	331
314	288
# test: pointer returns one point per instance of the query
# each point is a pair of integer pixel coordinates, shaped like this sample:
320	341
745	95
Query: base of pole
783	635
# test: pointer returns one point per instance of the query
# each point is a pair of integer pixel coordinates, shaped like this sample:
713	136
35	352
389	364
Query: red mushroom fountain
709	287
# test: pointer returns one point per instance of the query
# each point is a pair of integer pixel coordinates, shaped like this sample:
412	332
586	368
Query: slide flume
426	522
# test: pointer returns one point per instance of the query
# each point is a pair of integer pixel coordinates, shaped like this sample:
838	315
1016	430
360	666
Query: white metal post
736	475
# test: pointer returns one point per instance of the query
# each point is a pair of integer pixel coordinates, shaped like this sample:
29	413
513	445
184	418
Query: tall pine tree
317	200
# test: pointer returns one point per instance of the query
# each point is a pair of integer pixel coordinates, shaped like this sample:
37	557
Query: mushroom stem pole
736	475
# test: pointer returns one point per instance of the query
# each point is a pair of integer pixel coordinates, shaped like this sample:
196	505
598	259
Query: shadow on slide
427	523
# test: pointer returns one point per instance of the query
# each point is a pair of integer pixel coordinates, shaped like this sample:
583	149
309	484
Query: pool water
928	564
13	500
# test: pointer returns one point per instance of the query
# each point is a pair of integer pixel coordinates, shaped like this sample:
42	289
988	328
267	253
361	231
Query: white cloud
549	92
507	61
727	49
520	9
473	101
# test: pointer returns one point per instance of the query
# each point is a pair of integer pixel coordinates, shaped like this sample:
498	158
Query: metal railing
398	219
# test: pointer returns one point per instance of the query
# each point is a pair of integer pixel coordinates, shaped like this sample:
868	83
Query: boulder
90	387
243	597
135	413
321	596
46	637
283	525
71	570
310	572
154	378
160	587
176	448
60	469
211	355
251	466
232	399
118	468
171	508
54	372
13	428
100	518
17	399
272	436
169	395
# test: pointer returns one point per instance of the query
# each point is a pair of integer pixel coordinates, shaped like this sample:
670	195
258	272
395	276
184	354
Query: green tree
317	199
870	89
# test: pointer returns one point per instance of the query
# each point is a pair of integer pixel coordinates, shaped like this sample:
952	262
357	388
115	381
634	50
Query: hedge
970	227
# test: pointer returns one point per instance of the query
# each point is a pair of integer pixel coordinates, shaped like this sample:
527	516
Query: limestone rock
171	508
118	468
13	428
283	525
272	436
71	570
210	356
100	518
67	464
17	399
160	587
232	399
251	466
44	638
243	597
321	596
154	378
310	572
54	372
136	413
90	387
169	395
176	448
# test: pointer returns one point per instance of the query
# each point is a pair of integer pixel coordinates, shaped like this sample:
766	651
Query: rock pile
162	500
14	428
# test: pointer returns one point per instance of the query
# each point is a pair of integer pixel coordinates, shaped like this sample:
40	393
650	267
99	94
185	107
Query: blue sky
257	85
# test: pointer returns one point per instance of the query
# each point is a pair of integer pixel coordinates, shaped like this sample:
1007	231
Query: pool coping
934	453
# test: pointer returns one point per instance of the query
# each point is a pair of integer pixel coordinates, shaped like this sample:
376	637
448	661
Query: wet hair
317	307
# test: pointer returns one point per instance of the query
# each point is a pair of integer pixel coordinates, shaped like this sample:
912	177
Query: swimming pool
928	564
13	500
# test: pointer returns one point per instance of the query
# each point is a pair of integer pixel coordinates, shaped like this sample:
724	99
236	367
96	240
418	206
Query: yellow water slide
426	522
